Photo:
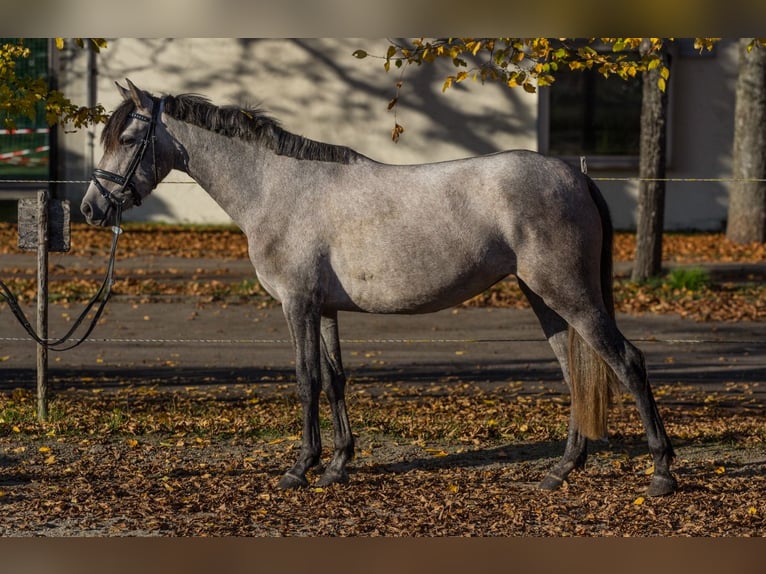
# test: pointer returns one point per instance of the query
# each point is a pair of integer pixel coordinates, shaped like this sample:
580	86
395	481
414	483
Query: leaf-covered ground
433	460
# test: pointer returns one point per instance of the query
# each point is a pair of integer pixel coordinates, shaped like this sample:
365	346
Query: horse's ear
139	97
123	91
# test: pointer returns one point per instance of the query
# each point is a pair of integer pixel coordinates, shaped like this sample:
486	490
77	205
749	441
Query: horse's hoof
333	477
551	482
292	481
662	486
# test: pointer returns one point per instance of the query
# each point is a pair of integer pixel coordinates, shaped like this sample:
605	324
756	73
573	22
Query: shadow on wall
315	87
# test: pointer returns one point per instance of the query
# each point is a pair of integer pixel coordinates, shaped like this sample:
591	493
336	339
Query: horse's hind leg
627	362
334	384
556	331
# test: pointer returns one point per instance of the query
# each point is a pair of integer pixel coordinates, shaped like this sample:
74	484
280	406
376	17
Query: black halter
118	197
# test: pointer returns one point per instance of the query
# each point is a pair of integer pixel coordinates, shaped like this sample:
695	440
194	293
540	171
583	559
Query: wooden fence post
42	304
43	227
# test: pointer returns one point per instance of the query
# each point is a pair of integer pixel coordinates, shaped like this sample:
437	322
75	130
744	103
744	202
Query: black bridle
118	198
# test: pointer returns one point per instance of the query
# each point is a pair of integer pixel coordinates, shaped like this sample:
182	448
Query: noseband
118	197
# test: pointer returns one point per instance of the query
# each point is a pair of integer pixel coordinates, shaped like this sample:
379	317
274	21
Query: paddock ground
180	417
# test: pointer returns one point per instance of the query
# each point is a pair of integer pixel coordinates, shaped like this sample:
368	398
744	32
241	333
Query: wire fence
388	341
624	179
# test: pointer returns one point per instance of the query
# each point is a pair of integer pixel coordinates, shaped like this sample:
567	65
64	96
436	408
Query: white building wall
316	88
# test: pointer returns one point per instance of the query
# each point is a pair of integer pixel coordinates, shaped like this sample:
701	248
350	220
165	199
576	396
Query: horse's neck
210	161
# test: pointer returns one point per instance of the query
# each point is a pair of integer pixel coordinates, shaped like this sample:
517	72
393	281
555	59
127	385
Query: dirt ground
457	416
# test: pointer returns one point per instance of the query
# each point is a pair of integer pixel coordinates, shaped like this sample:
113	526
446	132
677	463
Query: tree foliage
21	93
530	62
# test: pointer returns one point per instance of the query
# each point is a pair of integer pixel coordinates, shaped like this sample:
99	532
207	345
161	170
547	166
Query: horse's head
137	156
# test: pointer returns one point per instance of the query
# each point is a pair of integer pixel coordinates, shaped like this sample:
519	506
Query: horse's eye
127	141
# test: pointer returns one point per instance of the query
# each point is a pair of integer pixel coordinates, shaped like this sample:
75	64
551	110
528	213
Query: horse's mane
250	124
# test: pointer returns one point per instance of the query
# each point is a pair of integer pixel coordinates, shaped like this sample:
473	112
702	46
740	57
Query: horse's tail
593	381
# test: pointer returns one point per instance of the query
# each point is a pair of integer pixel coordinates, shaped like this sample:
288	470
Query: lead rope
105	290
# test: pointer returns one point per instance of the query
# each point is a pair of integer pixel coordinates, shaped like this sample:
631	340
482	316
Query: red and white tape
14	155
23	131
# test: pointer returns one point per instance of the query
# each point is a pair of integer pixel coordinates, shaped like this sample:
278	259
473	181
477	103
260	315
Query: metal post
42	304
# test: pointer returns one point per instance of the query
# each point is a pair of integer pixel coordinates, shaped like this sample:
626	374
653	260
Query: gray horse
331	230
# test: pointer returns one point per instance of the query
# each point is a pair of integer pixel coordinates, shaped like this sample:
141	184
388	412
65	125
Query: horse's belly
402	294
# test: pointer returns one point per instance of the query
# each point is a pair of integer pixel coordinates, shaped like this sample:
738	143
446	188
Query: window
585	114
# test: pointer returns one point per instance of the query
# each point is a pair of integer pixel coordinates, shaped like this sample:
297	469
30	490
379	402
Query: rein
104	292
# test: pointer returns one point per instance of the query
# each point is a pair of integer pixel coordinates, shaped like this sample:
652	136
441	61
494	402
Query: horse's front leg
303	323
334	384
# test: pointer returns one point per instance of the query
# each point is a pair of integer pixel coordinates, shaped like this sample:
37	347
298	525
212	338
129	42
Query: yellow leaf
752	511
51	459
44	449
665	72
14	428
720	470
319	489
59	43
5	358
661	84
453	488
639	501
132	442
436	452
649	470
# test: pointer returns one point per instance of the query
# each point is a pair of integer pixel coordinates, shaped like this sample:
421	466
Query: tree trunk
651	194
747	200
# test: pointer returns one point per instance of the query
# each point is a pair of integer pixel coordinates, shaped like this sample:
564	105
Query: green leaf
361	54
